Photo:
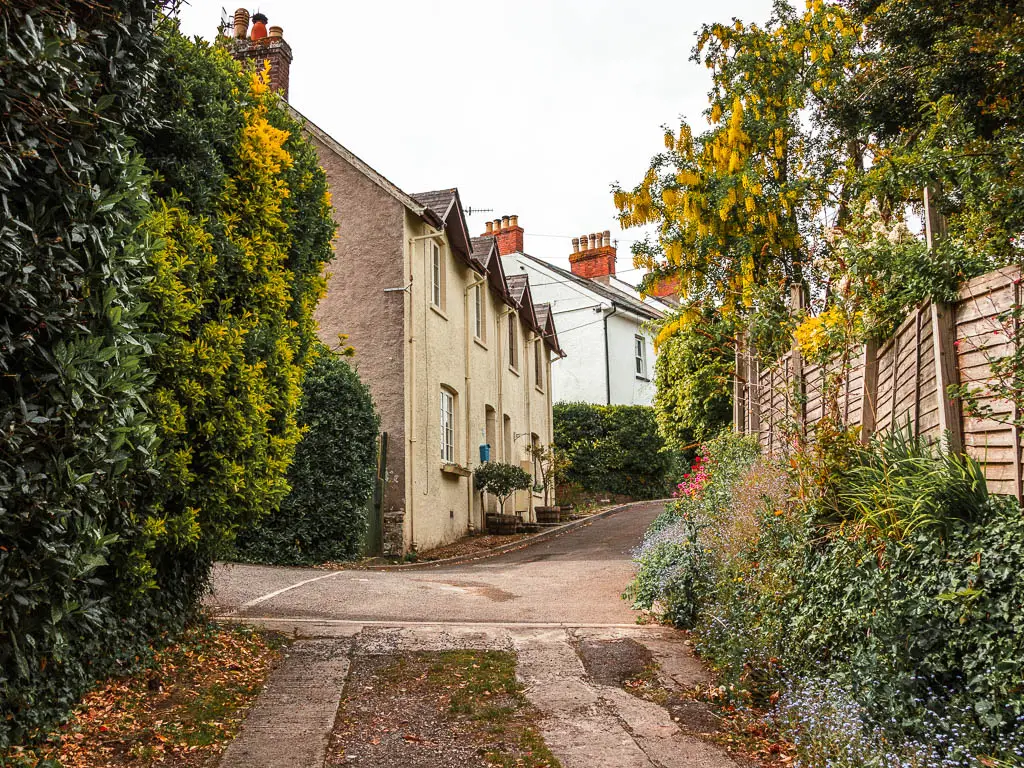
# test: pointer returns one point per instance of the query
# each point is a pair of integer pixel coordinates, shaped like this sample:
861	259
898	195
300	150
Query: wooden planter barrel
547	515
503	525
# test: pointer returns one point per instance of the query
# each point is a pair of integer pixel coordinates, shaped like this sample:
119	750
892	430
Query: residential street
557	604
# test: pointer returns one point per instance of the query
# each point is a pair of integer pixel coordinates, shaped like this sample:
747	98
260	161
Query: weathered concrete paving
544	602
291	723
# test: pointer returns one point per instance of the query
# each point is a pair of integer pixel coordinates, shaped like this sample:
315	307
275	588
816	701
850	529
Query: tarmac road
574	579
556	604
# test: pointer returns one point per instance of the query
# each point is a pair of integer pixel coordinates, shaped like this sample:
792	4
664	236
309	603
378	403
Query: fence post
739	388
753	388
869	391
943	335
950	413
796	303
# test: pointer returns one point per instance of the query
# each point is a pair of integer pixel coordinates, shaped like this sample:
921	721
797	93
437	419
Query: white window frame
640	356
436	275
513	342
538	362
479	309
447	427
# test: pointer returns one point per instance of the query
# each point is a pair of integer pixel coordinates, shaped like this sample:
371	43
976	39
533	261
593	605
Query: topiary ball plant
502	480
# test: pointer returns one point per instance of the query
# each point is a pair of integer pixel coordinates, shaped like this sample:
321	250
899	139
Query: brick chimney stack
508	233
593	256
666	289
262	44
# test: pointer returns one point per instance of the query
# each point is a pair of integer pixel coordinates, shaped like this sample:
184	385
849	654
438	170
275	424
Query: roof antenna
225	21
471	210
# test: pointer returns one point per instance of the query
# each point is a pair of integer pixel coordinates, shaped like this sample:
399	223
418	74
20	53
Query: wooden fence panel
904	381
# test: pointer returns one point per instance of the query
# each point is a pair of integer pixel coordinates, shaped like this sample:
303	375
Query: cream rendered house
455	356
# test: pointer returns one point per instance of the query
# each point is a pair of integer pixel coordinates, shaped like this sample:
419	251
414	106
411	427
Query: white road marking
276	592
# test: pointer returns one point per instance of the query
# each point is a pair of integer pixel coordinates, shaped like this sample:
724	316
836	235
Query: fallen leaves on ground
179	712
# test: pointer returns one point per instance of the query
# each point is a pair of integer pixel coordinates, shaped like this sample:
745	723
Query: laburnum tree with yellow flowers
737	207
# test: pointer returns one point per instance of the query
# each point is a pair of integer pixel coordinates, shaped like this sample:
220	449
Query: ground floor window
447	427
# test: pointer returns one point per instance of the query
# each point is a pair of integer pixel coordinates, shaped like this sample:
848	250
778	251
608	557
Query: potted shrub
502	480
552	464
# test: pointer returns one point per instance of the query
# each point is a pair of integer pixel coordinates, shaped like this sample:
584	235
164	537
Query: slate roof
439	201
617	297
517	286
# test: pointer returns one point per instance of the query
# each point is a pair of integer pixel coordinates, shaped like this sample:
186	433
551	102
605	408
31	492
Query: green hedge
614	449
324	517
74	439
161	253
913	637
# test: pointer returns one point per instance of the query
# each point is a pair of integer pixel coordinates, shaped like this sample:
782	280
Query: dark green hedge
163	230
614	449
324	517
73	437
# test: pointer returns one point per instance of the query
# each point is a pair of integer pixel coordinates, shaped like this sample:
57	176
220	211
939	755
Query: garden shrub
244	225
613	449
323	518
911	631
160	258
73	437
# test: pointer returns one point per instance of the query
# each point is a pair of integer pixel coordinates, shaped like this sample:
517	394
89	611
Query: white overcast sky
529	107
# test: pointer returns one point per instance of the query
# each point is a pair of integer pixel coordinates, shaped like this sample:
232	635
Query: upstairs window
447	427
640	353
479	327
436	275
538	363
513	342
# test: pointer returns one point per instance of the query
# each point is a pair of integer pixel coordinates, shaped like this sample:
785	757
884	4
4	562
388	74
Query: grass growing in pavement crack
451	708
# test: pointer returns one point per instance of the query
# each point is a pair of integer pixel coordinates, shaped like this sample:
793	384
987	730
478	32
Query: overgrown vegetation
166	232
613	449
886	620
323	518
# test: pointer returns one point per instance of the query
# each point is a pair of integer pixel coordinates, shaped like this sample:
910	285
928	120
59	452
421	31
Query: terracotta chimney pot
275	32
513	221
583	243
504	222
497	225
259	27
488	227
575	245
241	23
593	241
607	239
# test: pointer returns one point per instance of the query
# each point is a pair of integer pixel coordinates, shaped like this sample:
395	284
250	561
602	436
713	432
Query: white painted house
601	321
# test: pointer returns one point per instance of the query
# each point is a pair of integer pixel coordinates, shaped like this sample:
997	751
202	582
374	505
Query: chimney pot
513	221
275	32
607	239
497	225
259	27
487	227
593	240
583	243
575	245
241	23
504	222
